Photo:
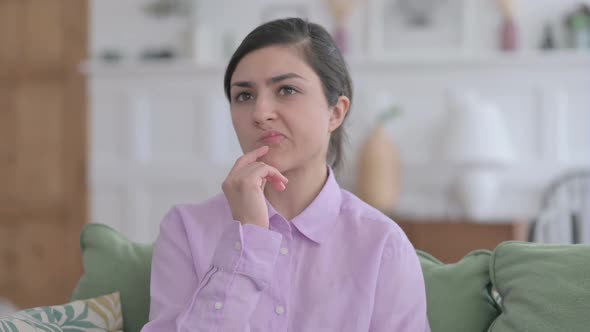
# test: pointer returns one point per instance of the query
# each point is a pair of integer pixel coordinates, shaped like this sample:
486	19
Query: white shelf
550	58
188	67
151	67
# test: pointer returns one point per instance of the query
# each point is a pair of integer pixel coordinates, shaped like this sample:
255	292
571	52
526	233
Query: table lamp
477	144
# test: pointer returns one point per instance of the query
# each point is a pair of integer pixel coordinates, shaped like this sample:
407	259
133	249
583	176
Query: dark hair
319	52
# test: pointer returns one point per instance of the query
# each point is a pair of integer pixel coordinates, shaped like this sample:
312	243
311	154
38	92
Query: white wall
124	26
161	132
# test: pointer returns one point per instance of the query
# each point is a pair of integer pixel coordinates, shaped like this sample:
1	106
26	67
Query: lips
272	138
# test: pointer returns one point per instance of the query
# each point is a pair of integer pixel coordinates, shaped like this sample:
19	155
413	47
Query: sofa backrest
536	287
113	263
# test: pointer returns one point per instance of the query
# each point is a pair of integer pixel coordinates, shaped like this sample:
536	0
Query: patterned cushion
93	315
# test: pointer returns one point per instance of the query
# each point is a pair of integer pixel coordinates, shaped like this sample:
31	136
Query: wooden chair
565	210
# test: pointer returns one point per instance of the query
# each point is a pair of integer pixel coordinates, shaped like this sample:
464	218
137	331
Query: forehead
271	61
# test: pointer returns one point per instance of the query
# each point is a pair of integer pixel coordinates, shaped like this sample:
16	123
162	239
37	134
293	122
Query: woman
284	248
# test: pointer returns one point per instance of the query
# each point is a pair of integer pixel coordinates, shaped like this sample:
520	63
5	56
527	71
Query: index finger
250	157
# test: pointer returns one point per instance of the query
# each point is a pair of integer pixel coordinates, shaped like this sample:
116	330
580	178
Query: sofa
516	287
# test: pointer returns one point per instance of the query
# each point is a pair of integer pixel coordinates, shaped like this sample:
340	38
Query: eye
243	96
287	90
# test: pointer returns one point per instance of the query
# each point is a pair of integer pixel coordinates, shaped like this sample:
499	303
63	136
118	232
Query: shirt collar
315	221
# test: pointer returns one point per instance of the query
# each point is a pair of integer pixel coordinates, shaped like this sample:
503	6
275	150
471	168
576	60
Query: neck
304	185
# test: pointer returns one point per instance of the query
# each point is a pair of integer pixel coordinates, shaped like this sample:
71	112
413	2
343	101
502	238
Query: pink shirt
340	265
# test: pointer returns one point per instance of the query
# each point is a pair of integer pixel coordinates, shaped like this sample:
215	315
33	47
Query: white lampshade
476	134
477	142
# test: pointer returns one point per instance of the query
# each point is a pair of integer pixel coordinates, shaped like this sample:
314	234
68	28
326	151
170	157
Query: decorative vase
508	29
379	169
341	10
508	35
341	38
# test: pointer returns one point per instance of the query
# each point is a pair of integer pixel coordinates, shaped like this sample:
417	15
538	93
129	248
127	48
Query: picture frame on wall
278	11
418	27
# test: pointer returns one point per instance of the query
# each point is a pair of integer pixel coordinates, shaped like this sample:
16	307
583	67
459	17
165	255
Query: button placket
279	293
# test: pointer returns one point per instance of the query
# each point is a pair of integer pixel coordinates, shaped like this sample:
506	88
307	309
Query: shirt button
284	251
238	246
280	310
218	305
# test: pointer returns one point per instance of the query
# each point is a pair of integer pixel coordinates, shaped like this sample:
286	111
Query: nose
264	110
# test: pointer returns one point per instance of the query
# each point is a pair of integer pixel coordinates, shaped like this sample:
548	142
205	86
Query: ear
338	113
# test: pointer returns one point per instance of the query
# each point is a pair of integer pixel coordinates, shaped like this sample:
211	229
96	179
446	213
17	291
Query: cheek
240	122
312	125
315	111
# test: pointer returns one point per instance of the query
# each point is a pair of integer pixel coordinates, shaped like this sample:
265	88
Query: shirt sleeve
224	298
400	298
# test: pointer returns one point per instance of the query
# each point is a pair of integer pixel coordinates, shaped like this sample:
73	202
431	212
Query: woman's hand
244	187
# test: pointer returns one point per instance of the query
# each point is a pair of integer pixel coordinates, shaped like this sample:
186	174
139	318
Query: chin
273	161
276	160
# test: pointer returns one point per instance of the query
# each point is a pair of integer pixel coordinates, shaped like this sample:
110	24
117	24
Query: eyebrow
272	80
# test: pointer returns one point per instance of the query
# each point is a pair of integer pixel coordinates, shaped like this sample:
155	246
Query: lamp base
476	190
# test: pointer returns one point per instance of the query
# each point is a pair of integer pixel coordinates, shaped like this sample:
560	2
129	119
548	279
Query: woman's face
278	100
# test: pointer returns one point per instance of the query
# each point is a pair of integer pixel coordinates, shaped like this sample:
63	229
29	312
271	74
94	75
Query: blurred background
470	123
